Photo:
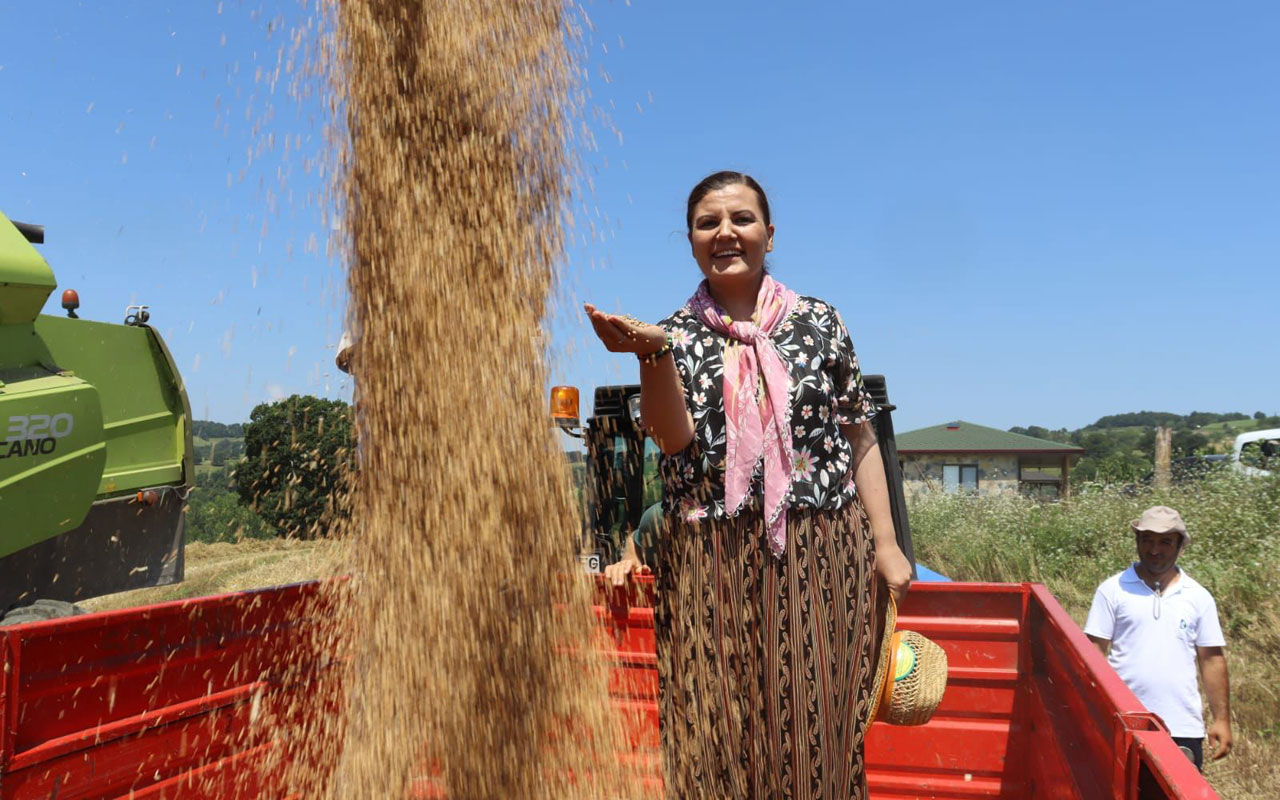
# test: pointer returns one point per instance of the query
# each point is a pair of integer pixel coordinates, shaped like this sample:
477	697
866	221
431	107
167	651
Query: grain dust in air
460	627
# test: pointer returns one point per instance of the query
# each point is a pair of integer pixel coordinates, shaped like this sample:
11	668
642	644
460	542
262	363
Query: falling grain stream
463	625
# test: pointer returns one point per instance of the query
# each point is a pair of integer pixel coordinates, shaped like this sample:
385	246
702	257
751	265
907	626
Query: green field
1234	427
217	450
1072	546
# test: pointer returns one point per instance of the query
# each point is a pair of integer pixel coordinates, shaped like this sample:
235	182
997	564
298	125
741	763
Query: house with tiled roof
961	457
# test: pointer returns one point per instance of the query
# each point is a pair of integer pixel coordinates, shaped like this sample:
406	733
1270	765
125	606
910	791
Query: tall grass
1072	546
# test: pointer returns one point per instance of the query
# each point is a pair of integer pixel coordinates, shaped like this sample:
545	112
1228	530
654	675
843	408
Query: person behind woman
778	520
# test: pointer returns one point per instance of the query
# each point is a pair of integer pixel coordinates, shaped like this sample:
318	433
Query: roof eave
1073	451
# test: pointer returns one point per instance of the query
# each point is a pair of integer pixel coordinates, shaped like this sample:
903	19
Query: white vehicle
1257	453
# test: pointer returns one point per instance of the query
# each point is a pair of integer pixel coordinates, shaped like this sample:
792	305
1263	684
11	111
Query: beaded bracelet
653	357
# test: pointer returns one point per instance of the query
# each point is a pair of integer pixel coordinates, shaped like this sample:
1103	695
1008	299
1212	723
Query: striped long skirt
766	664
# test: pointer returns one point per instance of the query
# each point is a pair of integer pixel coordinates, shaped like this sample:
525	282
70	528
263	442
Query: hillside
216	443
1120	448
214	511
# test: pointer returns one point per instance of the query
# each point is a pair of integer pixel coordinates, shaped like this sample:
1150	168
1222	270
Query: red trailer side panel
161	701
101	705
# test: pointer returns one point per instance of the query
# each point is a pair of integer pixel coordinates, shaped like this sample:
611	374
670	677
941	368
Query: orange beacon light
564	406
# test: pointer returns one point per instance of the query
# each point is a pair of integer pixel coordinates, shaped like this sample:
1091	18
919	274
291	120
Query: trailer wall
171	700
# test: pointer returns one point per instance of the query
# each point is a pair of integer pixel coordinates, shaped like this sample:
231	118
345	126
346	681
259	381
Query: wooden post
1164	440
1065	490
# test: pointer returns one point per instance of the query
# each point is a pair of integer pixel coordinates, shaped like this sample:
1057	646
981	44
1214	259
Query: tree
1113	456
1039	432
1139	418
297	457
223	451
219	516
215	513
1189	443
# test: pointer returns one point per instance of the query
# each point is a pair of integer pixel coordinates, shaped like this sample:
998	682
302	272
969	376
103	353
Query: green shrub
1072	546
297	458
215	514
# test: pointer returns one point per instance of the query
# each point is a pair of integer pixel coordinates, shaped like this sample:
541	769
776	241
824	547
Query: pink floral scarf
757	418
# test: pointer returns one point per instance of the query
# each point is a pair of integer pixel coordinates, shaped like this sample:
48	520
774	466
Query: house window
1040	469
1041	491
1040	476
959	478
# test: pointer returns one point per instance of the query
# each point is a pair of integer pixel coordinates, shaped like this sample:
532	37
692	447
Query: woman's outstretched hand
624	334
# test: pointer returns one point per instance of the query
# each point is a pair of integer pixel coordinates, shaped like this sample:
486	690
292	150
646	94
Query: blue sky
1027	214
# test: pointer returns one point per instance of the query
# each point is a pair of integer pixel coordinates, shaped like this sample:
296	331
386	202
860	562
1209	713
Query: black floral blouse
826	392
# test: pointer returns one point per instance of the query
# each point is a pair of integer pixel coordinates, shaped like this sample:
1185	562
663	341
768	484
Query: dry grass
226	567
1252	772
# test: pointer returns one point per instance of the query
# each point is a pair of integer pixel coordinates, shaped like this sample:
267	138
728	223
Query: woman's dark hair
721	180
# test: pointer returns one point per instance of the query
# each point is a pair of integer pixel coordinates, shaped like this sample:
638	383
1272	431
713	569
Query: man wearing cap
1159	624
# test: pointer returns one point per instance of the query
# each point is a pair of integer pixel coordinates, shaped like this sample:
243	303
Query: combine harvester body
95	446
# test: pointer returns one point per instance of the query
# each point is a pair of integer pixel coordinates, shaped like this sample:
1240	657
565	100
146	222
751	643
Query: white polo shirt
1156	655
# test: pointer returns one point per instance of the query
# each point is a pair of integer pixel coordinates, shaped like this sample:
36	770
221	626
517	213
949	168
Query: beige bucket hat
1161	519
911	675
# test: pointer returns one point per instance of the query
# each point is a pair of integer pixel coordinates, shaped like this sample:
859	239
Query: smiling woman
775	524
730	232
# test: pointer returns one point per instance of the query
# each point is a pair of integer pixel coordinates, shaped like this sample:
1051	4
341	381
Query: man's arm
1100	627
1213	671
1103	644
630	563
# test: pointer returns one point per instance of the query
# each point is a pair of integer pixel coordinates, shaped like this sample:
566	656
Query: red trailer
159	701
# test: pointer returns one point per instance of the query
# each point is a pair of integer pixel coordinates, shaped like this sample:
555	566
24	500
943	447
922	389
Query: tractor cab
616	478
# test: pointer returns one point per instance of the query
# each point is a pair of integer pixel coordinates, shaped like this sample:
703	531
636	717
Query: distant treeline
225	445
1147	419
206	429
1168	420
1121	447
219	451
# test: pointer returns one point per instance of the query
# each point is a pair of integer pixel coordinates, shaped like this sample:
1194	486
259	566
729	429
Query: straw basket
911	675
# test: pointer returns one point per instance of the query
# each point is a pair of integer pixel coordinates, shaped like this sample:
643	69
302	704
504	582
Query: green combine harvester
95	446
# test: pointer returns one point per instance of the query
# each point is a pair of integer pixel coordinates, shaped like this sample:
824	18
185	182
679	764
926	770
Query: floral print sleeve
687	489
826	392
853	403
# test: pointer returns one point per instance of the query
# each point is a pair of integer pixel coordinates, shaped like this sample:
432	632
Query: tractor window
652	480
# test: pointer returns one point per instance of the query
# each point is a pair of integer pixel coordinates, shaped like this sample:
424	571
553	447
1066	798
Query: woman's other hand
625	334
621	572
894	567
